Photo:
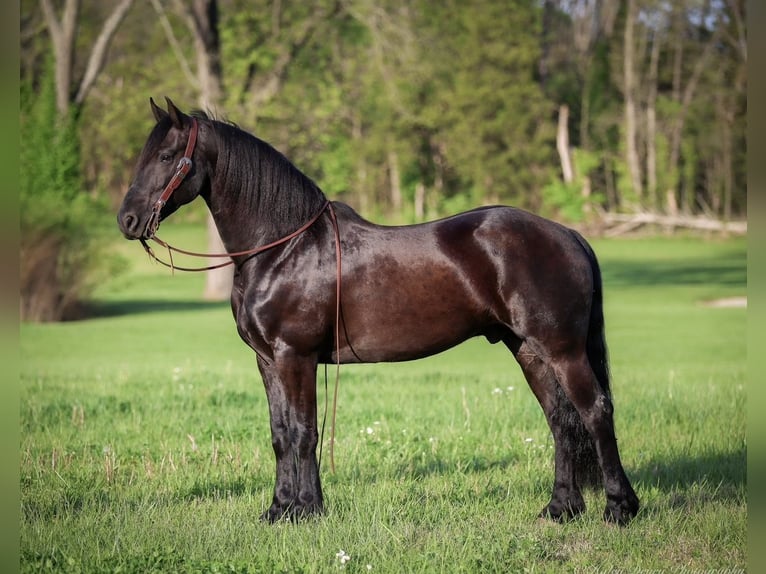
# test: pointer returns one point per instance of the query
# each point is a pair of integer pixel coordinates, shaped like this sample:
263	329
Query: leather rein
182	169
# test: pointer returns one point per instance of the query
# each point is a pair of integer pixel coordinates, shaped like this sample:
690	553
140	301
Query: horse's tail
587	468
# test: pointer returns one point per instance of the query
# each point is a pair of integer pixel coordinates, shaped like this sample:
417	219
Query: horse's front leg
291	390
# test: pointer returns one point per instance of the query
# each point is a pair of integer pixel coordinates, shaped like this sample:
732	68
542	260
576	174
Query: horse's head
165	178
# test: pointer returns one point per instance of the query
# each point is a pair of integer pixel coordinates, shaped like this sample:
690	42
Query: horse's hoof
621	512
277	513
562	511
303	511
291	512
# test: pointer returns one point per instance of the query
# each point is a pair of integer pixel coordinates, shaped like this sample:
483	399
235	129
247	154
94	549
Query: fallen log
620	223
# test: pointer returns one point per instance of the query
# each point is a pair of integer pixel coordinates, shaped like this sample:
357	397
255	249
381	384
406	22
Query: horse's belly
409	320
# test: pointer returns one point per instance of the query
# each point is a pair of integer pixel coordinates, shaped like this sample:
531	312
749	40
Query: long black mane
260	181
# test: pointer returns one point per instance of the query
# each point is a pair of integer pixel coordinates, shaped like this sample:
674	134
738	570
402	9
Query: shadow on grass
728	270
443	467
224	488
103	309
722	475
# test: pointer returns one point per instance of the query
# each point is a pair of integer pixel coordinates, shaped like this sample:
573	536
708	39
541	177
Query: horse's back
429	286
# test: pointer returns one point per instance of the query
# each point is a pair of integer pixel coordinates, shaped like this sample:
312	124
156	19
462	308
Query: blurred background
606	115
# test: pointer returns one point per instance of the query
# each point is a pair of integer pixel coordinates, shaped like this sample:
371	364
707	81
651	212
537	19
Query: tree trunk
395	180
420	201
218	282
629	79
62	36
357	136
562	144
683	95
651	125
202	23
63	33
98	53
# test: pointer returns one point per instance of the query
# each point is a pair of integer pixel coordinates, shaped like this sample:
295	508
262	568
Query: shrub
59	263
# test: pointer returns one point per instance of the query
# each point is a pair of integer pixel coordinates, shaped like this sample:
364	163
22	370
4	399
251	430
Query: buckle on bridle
184	165
182	169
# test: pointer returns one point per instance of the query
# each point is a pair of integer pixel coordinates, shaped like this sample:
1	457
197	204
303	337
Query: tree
61	259
259	84
202	23
63	32
56	247
498	128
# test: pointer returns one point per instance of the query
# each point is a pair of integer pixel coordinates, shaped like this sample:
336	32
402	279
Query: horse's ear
158	112
176	115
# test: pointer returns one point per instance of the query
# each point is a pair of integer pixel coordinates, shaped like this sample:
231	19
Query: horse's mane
260	180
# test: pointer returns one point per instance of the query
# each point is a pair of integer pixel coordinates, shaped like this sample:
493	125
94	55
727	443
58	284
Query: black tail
587	468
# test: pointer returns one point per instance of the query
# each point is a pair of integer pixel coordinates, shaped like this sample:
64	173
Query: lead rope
338	276
246	252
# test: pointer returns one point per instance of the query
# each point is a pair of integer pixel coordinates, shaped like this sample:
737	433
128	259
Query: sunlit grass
145	438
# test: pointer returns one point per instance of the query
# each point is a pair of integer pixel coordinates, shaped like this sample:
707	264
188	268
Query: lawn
145	441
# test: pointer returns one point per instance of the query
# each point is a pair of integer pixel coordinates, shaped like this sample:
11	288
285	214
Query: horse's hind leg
577	379
566	499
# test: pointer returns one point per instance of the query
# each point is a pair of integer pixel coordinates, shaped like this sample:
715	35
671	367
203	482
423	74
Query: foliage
153	454
388	104
567	201
60	261
497	131
411	109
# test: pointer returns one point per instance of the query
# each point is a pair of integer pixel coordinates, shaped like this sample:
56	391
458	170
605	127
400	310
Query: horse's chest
248	327
251	332
284	314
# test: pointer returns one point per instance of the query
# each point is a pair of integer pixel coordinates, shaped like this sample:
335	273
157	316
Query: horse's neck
236	224
242	220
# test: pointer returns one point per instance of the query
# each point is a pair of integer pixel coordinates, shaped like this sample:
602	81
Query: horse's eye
165	157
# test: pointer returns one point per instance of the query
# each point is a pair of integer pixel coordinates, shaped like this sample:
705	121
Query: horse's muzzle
134	227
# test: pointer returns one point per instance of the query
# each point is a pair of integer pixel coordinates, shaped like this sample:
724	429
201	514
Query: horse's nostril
129	223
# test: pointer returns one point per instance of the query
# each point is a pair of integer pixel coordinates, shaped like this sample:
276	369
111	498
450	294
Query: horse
401	293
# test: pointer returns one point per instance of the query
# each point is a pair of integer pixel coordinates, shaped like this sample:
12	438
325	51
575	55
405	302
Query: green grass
145	442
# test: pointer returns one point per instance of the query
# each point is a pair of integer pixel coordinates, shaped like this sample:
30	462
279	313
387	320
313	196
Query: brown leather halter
184	167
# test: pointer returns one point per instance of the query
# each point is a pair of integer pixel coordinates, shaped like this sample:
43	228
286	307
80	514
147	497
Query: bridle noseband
184	167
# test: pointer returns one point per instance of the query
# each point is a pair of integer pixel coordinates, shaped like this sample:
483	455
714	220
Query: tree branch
51	20
173	41
98	53
623	223
268	87
62	34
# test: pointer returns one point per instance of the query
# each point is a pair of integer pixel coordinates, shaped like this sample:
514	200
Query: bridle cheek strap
183	168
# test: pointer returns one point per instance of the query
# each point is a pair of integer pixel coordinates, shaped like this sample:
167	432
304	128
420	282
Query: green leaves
59	219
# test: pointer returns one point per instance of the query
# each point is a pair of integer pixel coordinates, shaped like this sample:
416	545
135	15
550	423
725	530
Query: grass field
145	442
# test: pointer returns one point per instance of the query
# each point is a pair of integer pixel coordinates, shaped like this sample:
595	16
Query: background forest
588	111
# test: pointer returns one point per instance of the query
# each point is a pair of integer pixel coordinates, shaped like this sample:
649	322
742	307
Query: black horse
404	293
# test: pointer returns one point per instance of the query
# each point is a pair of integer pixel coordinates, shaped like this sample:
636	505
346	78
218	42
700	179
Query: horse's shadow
691	480
683	482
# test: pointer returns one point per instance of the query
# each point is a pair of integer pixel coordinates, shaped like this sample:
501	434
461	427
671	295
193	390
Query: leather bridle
182	169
